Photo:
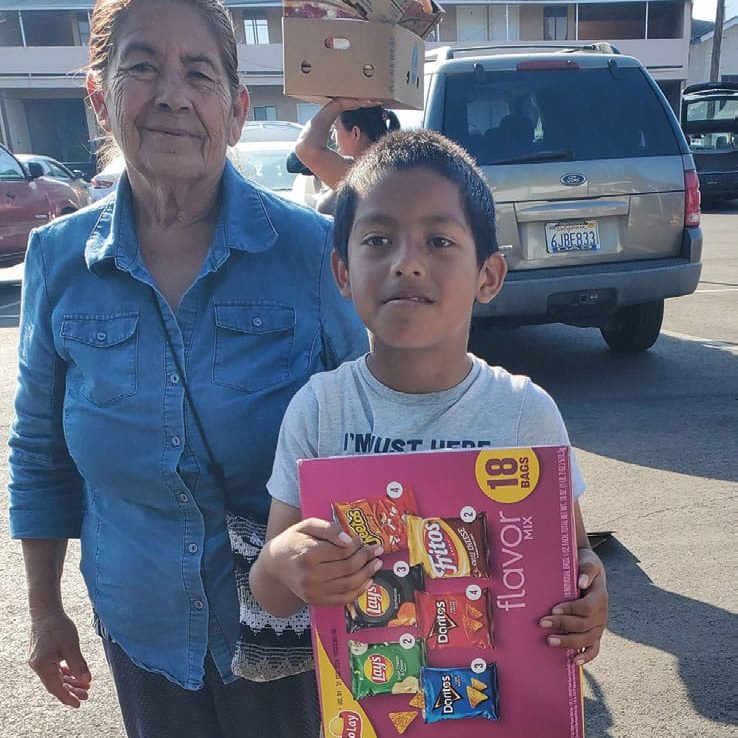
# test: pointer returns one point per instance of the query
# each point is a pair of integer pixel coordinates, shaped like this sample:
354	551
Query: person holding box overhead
357	125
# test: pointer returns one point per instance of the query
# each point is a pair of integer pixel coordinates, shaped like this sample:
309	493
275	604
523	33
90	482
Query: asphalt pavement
657	438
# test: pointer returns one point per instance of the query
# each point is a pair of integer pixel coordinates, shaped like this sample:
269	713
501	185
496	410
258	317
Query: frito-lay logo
351	724
375	601
443	548
360	525
378	668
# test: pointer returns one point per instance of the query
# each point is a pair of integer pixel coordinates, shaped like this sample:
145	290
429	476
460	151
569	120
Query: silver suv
597	195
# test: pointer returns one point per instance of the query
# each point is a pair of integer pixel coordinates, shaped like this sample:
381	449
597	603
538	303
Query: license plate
572	235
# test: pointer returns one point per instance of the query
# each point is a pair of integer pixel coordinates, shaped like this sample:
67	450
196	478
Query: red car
27	200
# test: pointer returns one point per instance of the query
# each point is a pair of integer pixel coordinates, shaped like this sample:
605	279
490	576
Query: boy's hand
320	563
579	624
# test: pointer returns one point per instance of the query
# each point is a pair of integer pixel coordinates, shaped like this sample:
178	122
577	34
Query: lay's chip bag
385	668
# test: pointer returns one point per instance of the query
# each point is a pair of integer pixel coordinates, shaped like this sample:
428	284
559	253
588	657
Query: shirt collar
243	223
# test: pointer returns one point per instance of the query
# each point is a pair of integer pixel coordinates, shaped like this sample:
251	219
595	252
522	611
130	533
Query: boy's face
413	273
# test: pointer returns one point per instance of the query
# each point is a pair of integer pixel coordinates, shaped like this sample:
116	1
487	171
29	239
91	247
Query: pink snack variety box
481	546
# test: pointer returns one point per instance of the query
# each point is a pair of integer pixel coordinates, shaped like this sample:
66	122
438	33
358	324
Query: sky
705	9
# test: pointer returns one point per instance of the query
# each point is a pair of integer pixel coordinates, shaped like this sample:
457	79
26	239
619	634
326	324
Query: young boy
415	246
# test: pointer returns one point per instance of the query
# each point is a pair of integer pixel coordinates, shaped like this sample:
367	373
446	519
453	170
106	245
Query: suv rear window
552	114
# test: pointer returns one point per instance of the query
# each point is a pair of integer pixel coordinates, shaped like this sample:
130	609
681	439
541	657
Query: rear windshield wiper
551	155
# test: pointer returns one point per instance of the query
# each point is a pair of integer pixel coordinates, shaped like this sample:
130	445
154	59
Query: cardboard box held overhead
369	49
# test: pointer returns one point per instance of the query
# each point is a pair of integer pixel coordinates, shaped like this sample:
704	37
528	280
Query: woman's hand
580	624
320	563
54	655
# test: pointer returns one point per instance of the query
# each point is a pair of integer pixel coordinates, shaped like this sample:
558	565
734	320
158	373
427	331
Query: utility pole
717	41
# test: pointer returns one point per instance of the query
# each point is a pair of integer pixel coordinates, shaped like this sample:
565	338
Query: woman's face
166	98
348	140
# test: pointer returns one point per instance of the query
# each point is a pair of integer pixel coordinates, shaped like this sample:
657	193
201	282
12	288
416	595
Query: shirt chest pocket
103	351
253	345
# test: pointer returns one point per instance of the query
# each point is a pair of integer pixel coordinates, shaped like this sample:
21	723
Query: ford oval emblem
572	180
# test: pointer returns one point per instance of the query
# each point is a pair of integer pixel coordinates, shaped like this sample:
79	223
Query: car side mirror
78	173
35	170
295	166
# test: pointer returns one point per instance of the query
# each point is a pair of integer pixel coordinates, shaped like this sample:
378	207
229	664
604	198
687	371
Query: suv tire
635	328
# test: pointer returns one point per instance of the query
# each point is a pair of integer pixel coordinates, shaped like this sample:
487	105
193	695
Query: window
256	30
10	170
665	19
612	21
305	111
516	116
48	28
265	112
56	171
555	23
83	27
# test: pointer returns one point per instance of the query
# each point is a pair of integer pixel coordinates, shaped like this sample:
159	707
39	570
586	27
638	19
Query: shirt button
176	440
192	548
101	335
174	378
257	321
184	498
198	604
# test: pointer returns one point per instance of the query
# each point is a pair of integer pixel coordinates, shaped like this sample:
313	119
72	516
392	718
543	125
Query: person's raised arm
53	652
312	145
308	561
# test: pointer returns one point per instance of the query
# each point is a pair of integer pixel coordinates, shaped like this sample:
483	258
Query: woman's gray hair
107	16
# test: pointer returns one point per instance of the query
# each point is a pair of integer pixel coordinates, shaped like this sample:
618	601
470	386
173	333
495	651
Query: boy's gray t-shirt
348	411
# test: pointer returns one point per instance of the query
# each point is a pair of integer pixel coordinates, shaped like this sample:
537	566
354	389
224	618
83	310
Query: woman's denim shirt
104	446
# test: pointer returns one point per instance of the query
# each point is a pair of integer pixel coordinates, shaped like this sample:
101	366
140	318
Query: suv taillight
691	198
100	183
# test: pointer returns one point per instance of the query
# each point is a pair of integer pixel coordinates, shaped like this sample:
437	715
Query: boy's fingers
330	532
570	624
579	642
341	589
588	606
590	568
587	654
588	572
349	569
324	530
351	587
348	589
583	653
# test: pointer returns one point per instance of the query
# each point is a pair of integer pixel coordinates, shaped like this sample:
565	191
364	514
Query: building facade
43	54
700	55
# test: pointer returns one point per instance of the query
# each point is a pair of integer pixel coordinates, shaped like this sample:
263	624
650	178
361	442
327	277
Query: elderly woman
163	333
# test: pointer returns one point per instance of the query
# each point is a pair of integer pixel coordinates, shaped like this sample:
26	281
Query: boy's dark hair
403	150
372	122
